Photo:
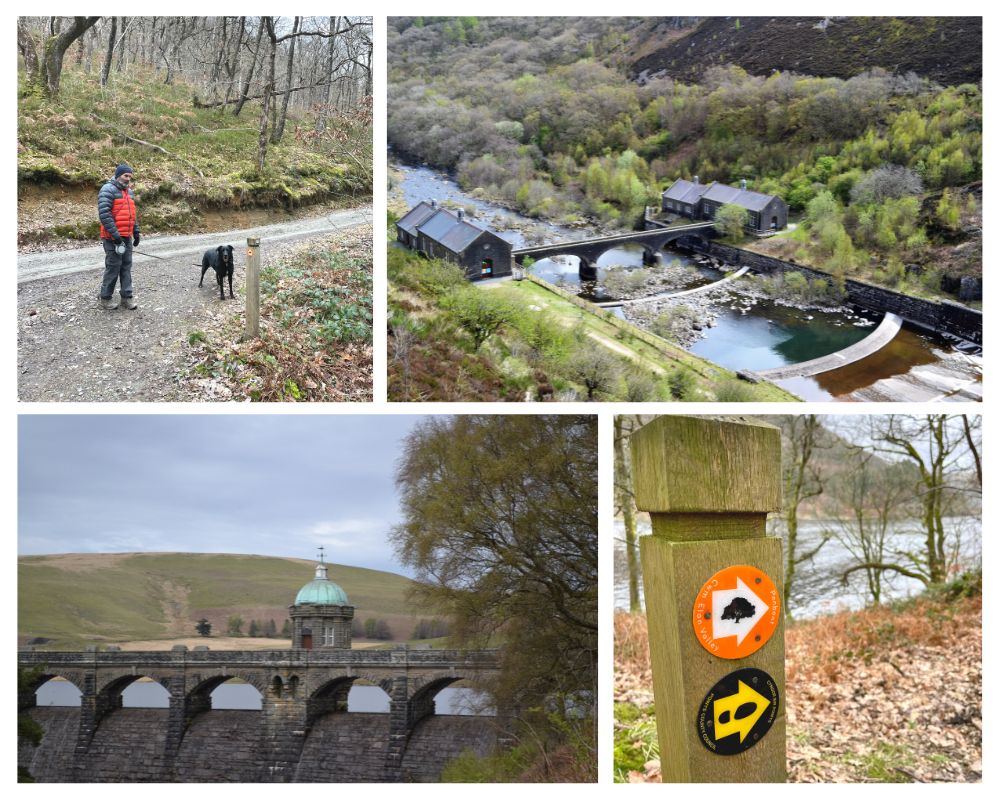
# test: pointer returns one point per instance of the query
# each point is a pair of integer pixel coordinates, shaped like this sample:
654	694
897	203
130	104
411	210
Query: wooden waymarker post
253	288
708	485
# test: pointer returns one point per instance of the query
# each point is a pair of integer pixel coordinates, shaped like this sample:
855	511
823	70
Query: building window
328	636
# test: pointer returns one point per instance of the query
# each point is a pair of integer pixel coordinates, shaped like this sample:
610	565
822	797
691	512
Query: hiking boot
129	303
109	303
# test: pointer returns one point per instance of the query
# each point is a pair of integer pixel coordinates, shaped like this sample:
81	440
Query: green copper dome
321	591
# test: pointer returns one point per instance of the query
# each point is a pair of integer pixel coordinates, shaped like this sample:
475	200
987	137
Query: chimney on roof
434	203
461	215
743	184
696	179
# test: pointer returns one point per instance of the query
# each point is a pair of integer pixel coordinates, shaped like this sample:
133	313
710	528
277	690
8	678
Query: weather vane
321	554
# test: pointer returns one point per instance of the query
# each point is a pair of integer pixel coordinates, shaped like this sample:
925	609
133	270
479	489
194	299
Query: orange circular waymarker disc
736	612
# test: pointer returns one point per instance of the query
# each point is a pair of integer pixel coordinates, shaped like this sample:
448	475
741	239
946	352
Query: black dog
221	260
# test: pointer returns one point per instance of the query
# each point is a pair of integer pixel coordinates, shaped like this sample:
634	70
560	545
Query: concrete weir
875	341
667	295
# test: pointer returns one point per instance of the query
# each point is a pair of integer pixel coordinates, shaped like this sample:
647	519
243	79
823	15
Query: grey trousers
117	267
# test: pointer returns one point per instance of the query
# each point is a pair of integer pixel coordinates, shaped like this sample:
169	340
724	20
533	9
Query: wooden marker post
716	633
253	289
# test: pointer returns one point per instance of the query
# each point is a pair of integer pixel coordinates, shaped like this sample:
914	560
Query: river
914	366
243	696
818	589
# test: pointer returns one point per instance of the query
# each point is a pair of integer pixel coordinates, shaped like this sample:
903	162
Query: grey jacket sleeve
105	201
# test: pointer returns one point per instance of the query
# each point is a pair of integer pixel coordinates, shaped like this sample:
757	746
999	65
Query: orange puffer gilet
116	211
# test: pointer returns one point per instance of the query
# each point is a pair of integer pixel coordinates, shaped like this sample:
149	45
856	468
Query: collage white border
380	10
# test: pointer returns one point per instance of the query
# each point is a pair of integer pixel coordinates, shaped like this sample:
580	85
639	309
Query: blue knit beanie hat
122	169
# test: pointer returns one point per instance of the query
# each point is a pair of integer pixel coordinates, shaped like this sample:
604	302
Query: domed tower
321	616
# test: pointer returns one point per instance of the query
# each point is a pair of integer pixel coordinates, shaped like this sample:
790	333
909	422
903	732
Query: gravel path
36	266
70	349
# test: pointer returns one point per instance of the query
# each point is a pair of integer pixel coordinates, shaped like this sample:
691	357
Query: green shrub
733	390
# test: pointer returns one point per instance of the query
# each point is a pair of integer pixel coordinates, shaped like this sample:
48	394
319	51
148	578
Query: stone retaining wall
943	317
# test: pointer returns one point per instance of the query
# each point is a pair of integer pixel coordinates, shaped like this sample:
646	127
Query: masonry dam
303	732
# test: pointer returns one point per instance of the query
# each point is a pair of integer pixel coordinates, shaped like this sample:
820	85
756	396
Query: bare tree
874	494
245	91
934	444
268	93
45	69
802	482
625	503
279	125
109	55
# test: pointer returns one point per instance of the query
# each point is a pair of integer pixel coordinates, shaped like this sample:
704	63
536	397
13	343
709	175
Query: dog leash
150	255
160	258
366	221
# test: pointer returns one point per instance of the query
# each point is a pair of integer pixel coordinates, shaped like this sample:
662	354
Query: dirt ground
884	695
71	349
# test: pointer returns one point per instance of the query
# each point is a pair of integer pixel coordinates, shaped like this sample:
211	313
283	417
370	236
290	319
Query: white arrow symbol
740	625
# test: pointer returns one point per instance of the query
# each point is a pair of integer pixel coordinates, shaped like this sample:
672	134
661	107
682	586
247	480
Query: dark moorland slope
948	50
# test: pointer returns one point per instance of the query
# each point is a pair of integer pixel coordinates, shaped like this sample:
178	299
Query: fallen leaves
889	694
296	358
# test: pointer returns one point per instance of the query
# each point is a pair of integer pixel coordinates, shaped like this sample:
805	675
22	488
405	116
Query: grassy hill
948	50
69	145
76	599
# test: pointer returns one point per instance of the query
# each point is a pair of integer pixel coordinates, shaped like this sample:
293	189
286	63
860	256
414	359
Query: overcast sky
264	484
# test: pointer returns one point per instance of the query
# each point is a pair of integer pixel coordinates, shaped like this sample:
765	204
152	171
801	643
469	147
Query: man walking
119	233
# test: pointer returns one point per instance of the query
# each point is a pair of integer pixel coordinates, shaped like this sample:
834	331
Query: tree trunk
268	95
233	64
973	450
55	51
626	504
801	483
368	72
110	53
90	38
120	65
324	111
221	48
279	127
253	64
29	51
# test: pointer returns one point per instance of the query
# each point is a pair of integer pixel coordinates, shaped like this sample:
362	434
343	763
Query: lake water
914	366
817	588
371	699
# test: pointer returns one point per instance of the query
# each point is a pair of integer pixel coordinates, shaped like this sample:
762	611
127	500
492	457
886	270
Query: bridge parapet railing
624	237
399	656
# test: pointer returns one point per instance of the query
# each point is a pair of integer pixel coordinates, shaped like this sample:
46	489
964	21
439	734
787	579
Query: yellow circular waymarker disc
736	611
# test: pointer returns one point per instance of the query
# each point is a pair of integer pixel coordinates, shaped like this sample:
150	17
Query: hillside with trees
880	164
216	115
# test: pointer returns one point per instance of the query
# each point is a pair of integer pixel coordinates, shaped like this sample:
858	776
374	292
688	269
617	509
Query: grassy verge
548	749
316	330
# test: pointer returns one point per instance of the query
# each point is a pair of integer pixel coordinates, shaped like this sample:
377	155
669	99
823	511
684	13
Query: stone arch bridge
589	251
292	738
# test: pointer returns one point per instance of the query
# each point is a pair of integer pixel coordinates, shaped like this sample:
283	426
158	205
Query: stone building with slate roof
765	212
450	235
